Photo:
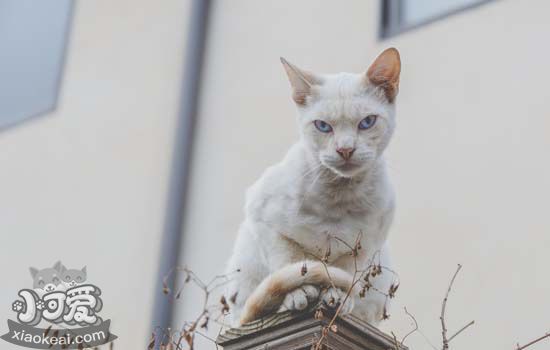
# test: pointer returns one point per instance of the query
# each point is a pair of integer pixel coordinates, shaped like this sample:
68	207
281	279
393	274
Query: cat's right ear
384	72
301	82
33	271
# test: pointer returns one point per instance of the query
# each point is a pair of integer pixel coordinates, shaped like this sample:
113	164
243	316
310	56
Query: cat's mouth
348	166
345	169
49	288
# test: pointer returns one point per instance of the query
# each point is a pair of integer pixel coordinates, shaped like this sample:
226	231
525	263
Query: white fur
297	205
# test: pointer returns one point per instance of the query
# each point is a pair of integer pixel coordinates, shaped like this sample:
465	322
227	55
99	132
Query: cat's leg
284	251
334	297
301	298
245	270
371	306
376	302
258	252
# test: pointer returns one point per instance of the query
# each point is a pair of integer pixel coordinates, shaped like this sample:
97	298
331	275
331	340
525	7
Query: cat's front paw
334	297
300	298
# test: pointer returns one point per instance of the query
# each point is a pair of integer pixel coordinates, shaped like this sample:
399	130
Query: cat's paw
333	297
300	298
17	306
40	305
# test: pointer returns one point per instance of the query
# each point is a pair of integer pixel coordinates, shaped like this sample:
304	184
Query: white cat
332	183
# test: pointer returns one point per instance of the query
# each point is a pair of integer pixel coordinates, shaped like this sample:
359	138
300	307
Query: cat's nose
345	153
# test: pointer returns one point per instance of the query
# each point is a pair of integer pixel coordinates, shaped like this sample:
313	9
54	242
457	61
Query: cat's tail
270	293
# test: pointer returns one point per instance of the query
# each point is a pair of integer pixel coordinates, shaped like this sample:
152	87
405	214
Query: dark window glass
400	15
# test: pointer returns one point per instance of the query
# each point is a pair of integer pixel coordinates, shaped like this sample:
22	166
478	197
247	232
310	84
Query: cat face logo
59	295
56	278
73	277
45	280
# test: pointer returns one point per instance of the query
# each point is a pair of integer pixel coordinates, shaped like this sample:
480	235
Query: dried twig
461	330
547	335
411	331
446	340
372	269
399	344
167	338
443	306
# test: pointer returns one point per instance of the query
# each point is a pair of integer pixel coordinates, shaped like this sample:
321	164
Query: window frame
391	17
42	106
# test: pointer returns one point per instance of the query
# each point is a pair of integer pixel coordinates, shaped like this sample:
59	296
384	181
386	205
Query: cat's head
346	120
73	277
46	279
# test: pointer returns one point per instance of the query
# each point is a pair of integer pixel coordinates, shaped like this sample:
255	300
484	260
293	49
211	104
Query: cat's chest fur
319	210
332	215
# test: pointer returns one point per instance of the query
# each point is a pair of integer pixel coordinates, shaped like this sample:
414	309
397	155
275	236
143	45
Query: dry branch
167	339
547	335
359	275
176	339
446	340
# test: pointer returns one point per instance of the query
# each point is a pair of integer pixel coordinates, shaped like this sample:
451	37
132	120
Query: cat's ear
301	82
58	266
384	72
33	271
83	270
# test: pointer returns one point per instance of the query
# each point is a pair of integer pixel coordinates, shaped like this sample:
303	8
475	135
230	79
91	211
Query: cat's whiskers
306	192
310	171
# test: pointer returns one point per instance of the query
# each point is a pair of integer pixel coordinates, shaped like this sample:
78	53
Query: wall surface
468	160
86	184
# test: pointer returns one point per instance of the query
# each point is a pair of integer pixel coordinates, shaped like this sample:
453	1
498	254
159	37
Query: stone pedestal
301	331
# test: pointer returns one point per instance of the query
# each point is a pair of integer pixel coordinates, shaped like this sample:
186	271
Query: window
32	45
401	15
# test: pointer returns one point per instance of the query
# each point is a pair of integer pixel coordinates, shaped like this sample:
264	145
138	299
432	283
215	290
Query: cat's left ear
301	81
58	266
384	72
83	269
62	268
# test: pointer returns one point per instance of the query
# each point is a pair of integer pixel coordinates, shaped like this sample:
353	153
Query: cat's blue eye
367	123
67	278
40	283
322	126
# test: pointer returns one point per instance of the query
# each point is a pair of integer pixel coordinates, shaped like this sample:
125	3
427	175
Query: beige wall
469	158
86	183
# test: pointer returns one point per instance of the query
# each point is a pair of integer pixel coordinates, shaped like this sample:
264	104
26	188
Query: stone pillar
302	331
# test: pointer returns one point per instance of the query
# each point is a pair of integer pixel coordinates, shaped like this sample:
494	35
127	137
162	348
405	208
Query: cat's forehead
47	272
342	85
345	96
